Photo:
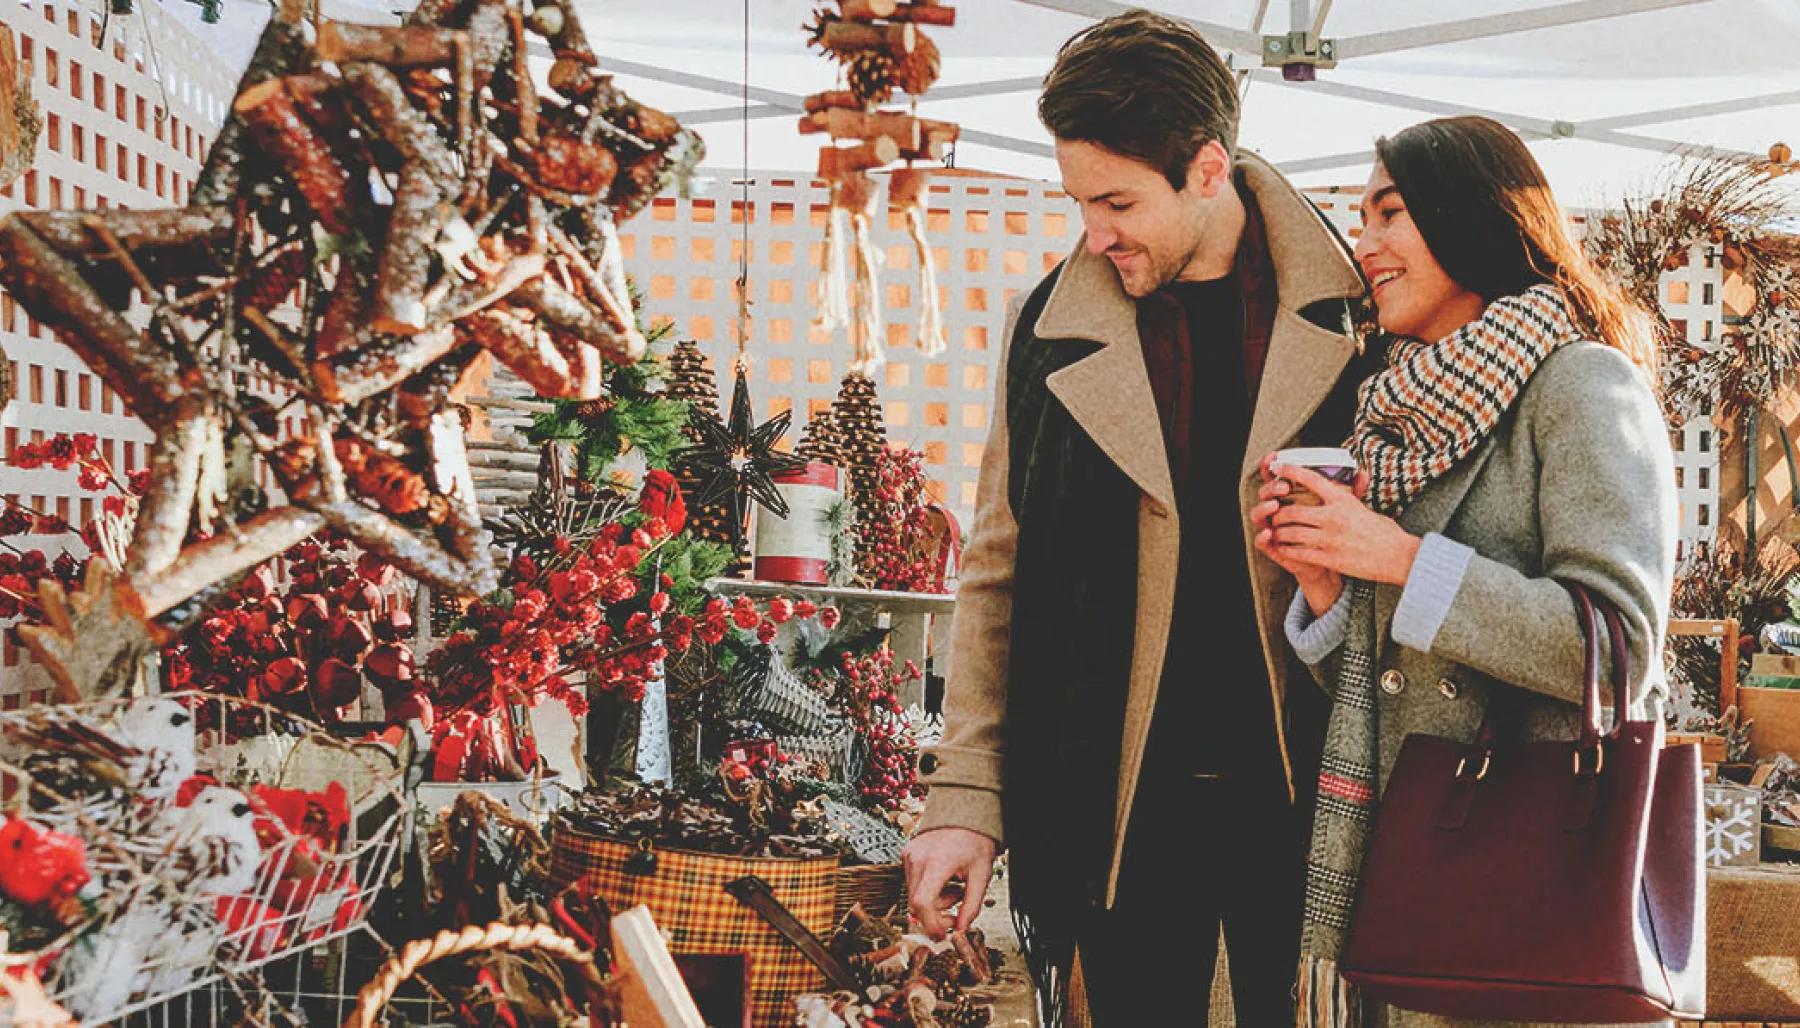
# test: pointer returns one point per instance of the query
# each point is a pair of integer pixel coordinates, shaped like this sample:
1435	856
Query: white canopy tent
1605	89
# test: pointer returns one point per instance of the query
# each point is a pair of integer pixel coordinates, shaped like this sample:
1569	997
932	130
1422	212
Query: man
1119	712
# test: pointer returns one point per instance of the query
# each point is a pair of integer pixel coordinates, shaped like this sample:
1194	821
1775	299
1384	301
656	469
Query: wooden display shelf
881	599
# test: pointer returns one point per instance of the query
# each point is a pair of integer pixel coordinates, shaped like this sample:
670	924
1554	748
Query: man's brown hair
1144	86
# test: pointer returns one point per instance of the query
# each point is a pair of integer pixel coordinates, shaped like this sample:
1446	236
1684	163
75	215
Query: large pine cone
870	76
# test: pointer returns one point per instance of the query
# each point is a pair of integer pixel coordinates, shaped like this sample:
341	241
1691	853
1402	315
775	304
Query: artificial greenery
634	414
687	562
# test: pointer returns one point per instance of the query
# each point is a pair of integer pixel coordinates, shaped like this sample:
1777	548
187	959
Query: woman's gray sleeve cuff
1436	577
1314	639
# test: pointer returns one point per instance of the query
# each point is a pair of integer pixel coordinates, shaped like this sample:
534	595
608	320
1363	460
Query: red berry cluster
867	688
526	641
889	544
21	570
309	646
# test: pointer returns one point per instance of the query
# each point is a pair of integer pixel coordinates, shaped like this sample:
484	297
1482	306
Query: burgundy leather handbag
1539	881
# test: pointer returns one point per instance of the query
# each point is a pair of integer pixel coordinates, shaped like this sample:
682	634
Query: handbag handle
1589	757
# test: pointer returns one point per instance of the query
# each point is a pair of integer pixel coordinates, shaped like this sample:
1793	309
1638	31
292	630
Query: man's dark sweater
1203	344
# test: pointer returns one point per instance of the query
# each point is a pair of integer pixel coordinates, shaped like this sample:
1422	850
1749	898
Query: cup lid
1315	457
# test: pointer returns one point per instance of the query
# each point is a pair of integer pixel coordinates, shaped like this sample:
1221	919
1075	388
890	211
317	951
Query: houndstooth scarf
1435	402
1416	419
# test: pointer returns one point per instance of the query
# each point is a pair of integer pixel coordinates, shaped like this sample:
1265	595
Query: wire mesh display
788	704
216	837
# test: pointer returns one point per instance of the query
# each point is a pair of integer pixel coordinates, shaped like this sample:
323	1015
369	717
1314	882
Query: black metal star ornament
737	461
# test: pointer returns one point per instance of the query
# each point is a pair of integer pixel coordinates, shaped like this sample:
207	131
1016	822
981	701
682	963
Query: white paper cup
1333	462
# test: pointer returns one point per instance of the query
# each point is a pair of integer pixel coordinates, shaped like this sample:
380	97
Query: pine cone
870	76
393	485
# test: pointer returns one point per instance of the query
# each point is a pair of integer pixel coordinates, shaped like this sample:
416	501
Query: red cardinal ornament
36	865
661	499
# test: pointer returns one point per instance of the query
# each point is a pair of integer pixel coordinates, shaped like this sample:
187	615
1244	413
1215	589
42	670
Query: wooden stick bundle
459	210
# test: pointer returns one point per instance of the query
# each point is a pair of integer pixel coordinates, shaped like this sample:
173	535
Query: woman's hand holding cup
1320	585
1333	533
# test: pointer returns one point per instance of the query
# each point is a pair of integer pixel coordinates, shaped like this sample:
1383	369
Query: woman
1512	443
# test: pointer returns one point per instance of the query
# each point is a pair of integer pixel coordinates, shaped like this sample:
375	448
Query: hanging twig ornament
414	200
906	190
882	48
858	196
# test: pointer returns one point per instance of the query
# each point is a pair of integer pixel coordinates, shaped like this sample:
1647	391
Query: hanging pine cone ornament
862	432
272	283
870	76
822	19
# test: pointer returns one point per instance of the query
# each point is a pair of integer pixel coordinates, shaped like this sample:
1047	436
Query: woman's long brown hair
1484	207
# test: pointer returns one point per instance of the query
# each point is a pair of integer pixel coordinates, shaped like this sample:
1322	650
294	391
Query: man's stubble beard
1164	272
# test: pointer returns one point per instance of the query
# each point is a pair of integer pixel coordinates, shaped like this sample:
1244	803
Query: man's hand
935	862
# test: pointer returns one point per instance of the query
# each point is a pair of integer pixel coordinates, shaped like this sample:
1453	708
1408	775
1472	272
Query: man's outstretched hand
945	866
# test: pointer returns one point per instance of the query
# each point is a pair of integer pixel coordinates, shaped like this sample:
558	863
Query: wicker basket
686	894
877	887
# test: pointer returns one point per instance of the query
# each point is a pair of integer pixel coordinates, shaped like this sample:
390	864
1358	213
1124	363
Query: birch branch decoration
383	203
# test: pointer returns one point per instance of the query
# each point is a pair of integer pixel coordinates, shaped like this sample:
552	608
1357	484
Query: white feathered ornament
162	731
105	969
212	843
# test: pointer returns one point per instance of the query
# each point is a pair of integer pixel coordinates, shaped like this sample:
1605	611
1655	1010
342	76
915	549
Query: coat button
928	764
1393	682
1448	688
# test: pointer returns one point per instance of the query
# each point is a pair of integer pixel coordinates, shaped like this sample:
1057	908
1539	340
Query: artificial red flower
37	864
59	450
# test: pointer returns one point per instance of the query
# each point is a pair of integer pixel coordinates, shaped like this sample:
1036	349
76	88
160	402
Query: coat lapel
1108	392
1303	365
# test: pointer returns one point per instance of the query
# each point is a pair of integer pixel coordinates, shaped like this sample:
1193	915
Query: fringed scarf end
1324	999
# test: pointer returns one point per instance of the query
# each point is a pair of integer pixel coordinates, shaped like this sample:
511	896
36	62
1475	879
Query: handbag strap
1589	610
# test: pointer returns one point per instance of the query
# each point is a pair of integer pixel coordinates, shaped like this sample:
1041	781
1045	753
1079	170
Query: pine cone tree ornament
862	434
691	379
822	441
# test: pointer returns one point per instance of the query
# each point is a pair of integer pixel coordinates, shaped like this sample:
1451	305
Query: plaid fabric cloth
1341	824
1436	401
687	897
